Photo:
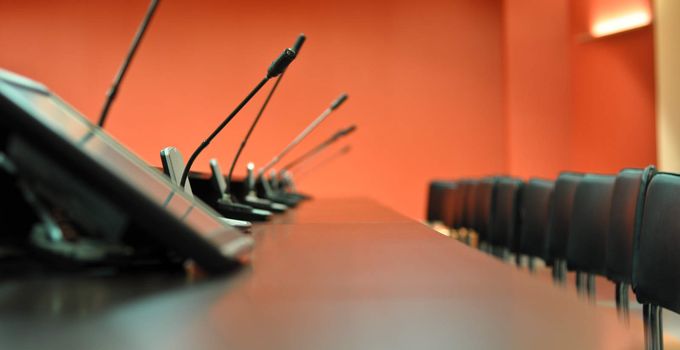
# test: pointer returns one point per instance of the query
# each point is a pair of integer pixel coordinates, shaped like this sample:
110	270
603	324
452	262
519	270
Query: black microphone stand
113	91
277	67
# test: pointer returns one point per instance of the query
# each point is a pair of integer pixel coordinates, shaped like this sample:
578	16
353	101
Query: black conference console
72	196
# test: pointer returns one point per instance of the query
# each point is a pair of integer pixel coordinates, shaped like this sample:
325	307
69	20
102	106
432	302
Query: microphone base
263	190
265	204
242	225
283	199
299	196
242	212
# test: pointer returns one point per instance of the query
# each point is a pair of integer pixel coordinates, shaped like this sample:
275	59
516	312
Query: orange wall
612	85
537	88
424	78
573	102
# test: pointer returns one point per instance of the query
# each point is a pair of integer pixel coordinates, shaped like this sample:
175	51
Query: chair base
559	272
653	326
622	302
585	285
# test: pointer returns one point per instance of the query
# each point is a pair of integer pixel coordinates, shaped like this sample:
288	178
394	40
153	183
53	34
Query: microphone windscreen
281	63
349	129
339	101
298	43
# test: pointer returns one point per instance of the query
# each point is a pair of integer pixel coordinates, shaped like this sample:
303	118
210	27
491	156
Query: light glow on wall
620	24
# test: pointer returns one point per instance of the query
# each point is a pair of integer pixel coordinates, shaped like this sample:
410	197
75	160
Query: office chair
534	212
459	213
434	201
625	218
656	255
448	203
505	220
485	193
469	209
587	243
559	225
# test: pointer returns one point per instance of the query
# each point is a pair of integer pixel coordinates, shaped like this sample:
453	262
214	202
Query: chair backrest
448	206
485	195
434	200
173	166
459	213
625	215
470	205
656	246
560	216
534	211
587	243
505	220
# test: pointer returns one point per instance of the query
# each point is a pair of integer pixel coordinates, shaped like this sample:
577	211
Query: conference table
331	274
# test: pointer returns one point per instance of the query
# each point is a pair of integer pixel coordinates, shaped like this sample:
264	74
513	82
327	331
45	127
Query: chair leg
590	287
560	272
657	327
622	302
646	326
581	282
651	315
504	253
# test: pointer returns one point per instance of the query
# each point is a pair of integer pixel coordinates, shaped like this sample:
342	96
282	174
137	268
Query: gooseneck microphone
296	47
277	67
113	91
320	147
337	103
287	184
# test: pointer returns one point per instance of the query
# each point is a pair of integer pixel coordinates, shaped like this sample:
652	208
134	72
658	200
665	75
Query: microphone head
281	63
344	132
348	130
298	43
339	101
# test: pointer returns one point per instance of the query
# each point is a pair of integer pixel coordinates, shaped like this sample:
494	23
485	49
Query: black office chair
459	205
505	220
534	212
587	243
449	204
626	215
559	224
469	210
485	196
435	201
656	254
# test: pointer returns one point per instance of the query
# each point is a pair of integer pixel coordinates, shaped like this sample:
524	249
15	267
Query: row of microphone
262	196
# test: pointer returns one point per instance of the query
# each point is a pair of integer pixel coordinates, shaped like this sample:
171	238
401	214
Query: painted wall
439	89
537	86
574	102
612	88
425	81
667	32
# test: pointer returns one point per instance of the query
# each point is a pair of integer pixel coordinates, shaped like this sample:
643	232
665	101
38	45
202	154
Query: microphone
320	147
113	91
296	47
284	183
277	67
337	103
287	182
267	191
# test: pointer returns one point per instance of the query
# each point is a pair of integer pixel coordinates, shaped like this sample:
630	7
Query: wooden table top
335	274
